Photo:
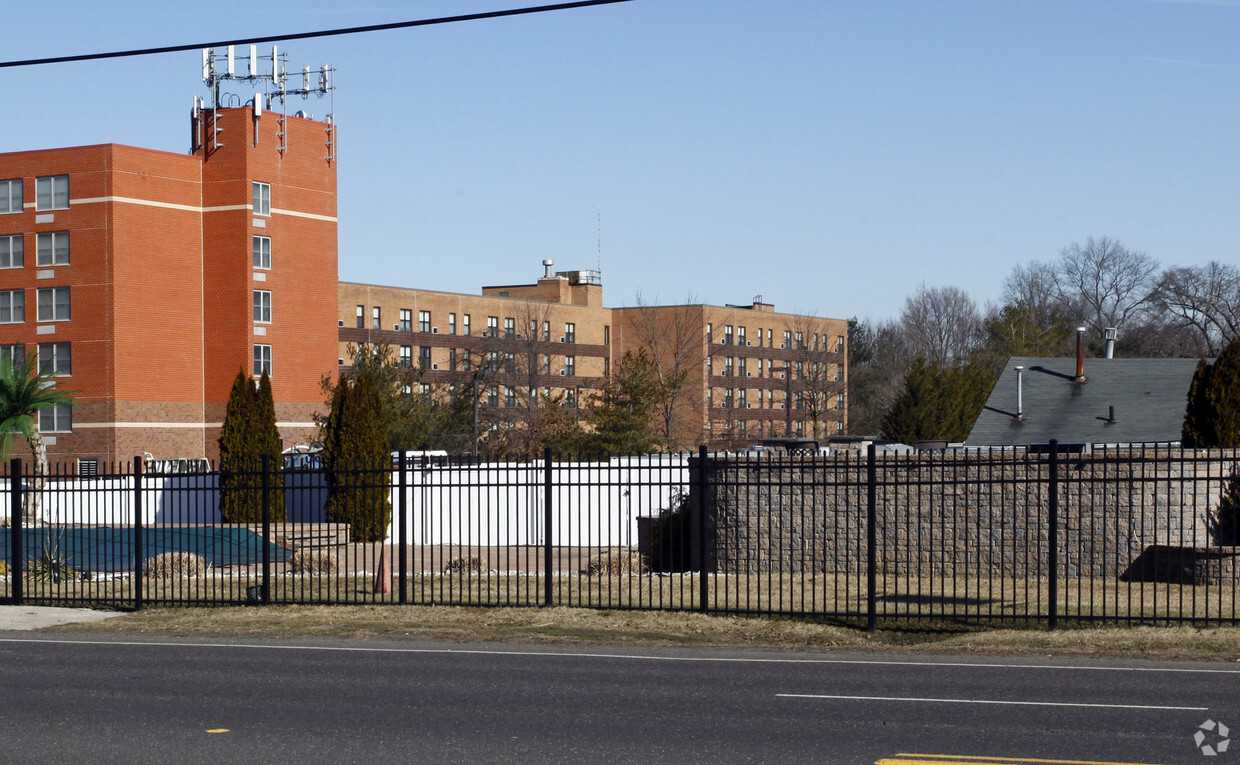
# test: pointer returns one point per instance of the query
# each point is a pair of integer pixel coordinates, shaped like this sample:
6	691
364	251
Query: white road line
626	657
988	701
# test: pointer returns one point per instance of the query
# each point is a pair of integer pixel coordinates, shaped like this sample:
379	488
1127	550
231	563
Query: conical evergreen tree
267	438
240	500
1212	418
355	452
1197	432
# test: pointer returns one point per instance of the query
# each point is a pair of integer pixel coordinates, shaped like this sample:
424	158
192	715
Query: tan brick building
145	280
749	372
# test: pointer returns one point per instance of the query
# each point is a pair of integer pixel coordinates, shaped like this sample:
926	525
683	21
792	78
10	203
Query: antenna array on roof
219	69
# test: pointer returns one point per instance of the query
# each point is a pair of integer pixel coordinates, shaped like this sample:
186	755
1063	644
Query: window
510	363
570	365
546	331
741	402
570	398
11	196
262	198
53	304
262	306
710	333
465	325
55	359
376	318
262	360
606	334
14	354
570	332
452	359
728	363
741	371
424	321
424	356
740	336
12	306
12	251
52	248
533	329
839	343
262	252
451	324
492	326
493	396
546	366
787	340
406	321
361	317
56	419
406	355
510	397
510	328
800	341
52	193
727	334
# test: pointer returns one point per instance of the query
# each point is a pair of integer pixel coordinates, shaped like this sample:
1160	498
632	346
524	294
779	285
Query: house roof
1149	397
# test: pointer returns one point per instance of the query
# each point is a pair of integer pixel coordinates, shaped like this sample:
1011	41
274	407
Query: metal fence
1037	537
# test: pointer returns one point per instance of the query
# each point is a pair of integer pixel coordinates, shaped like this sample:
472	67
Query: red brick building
145	280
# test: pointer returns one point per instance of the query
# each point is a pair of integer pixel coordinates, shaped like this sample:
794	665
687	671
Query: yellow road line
956	759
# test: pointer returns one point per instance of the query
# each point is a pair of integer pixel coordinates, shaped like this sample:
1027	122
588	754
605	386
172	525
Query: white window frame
260	198
262	253
8	250
48	249
56	193
262	306
570	332
262	360
376	317
56	419
13	305
10	196
424	321
55	359
54	304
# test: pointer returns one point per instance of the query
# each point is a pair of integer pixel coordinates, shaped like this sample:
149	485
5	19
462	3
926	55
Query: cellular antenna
598	266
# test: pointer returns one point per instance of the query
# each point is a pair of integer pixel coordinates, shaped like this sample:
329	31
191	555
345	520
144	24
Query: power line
309	35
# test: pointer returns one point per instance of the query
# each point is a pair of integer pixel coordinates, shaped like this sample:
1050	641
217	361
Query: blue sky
829	156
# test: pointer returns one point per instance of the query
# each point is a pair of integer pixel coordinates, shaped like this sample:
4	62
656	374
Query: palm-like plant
25	391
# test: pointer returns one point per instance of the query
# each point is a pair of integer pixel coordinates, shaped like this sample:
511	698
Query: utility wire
309	35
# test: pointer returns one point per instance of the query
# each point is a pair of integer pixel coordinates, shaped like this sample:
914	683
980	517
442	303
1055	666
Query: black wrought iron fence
996	536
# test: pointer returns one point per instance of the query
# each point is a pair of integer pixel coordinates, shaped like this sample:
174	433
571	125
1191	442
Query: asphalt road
83	699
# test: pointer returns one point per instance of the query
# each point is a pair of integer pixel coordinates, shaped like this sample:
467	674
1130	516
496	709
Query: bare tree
818	375
1106	282
1204	300
942	323
673	337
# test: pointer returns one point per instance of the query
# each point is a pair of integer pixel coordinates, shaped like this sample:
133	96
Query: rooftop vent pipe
1020	393
1112	333
547	264
1080	354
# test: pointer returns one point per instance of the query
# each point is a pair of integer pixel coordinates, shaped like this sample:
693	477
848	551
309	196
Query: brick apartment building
750	372
145	280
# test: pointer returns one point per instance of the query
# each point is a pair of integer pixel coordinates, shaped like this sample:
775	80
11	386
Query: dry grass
468	564
314	562
175	565
617	563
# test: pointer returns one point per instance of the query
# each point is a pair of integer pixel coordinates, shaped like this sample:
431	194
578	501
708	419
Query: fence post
700	508
1052	538
871	538
547	526
266	466
403	508
17	562
139	555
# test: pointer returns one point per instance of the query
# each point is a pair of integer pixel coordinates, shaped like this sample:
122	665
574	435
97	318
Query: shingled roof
1149	397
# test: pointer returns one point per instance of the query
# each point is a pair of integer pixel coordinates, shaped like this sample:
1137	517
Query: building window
570	332
740	337
406	321
424	356
12	251
800	341
728	370
839	403
741	372
606	334
361	317
262	252
839	343
710	333
12	306
787	340
262	360
11	196
465	324
14	354
546	331
570	365
262	198
546	367
493	396
52	248
424	321
262	306
510	397
376	318
52	193
406	355
510	363
510	328
570	398
492	326
727	334
451	324
56	419
55	359
533	329
53	304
